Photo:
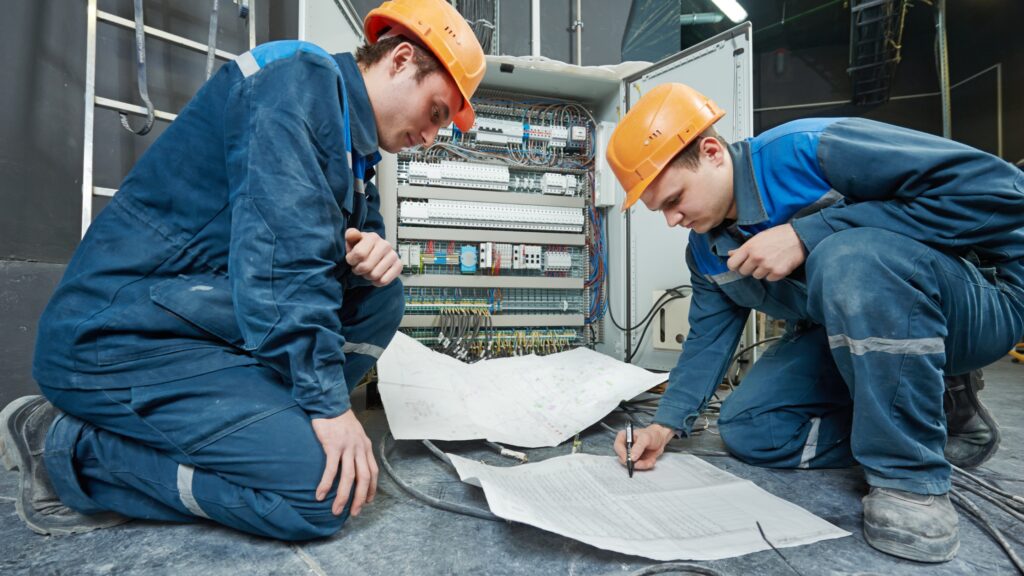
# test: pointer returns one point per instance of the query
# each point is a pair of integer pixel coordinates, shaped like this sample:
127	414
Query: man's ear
713	149
401	56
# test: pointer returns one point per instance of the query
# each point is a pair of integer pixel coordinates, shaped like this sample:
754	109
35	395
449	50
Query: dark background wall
42	111
801	55
804	61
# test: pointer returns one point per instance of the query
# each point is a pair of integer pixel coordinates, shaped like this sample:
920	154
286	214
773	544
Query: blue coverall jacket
209	313
225	244
836	175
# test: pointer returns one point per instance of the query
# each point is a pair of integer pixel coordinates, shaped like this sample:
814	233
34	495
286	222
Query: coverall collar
749	206
361	119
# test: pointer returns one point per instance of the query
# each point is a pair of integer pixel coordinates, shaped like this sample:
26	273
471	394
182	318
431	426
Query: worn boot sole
18	456
912	546
8	431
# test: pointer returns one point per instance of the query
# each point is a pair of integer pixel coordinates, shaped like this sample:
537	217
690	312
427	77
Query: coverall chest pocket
203	300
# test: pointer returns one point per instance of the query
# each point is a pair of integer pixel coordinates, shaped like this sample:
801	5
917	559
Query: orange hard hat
439	27
659	126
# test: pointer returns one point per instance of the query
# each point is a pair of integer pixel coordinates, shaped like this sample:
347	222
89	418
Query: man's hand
648	444
345	443
371	257
770	255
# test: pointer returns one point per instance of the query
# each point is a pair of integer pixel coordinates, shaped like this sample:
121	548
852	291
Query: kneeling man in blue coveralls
897	259
206	335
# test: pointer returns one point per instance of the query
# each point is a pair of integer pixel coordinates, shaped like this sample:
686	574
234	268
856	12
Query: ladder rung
867	66
108	192
132	109
162	35
866	5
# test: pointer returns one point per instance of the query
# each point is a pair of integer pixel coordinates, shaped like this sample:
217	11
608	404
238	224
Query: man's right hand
345	443
648	444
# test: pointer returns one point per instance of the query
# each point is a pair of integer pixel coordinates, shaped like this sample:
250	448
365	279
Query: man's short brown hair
426	63
689	157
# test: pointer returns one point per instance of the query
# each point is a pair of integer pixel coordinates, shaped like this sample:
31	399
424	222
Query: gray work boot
23	427
972	434
914	526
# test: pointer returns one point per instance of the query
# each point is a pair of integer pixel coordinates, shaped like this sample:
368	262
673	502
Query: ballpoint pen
629	448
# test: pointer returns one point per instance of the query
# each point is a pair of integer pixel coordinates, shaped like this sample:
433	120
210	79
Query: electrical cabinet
511	233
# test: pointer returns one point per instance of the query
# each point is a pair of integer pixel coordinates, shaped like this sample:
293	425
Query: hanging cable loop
140	55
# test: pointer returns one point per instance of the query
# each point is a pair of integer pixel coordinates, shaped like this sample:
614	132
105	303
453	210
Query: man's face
410	112
696	199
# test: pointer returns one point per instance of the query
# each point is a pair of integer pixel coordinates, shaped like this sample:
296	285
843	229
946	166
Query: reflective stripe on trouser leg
363	348
810	445
185	474
880	297
888	345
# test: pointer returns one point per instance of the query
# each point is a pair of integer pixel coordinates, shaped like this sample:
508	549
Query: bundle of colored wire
598	266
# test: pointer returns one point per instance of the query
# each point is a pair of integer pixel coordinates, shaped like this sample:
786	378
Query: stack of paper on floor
684	509
528	401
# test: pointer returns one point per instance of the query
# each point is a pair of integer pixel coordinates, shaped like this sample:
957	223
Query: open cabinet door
653	255
331	24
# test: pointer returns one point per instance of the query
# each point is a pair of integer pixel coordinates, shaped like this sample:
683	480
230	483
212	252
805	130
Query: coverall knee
898	314
230	445
792	409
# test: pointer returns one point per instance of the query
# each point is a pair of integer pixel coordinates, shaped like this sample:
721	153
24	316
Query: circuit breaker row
498	342
488	257
494	301
502	132
486	177
460	214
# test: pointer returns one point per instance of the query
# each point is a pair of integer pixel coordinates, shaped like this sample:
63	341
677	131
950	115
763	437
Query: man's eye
435	115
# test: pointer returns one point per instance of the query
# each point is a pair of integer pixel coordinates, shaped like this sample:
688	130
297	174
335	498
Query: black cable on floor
981	518
1016	501
425	498
980	492
675	567
769	542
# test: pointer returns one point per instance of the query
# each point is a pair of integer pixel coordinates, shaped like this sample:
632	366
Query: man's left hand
371	257
769	255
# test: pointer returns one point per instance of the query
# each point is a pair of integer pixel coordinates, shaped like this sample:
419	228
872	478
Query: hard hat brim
634	193
465	118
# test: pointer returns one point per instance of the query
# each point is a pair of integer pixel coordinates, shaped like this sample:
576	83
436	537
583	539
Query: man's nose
672	218
429	135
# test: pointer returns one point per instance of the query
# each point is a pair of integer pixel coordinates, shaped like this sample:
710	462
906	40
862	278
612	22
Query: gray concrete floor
400	535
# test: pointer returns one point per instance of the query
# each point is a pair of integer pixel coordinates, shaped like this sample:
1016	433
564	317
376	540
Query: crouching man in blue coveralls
204	340
896	257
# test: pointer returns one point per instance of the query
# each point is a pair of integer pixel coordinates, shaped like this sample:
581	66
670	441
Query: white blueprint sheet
529	401
684	509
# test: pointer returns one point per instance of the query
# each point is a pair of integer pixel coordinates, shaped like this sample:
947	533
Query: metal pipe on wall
999	109
940	32
535	27
577	27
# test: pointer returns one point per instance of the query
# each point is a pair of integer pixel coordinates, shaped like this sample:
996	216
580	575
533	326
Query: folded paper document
529	401
683	509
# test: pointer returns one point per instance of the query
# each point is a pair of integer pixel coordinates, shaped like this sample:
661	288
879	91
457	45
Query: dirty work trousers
862	381
230	445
